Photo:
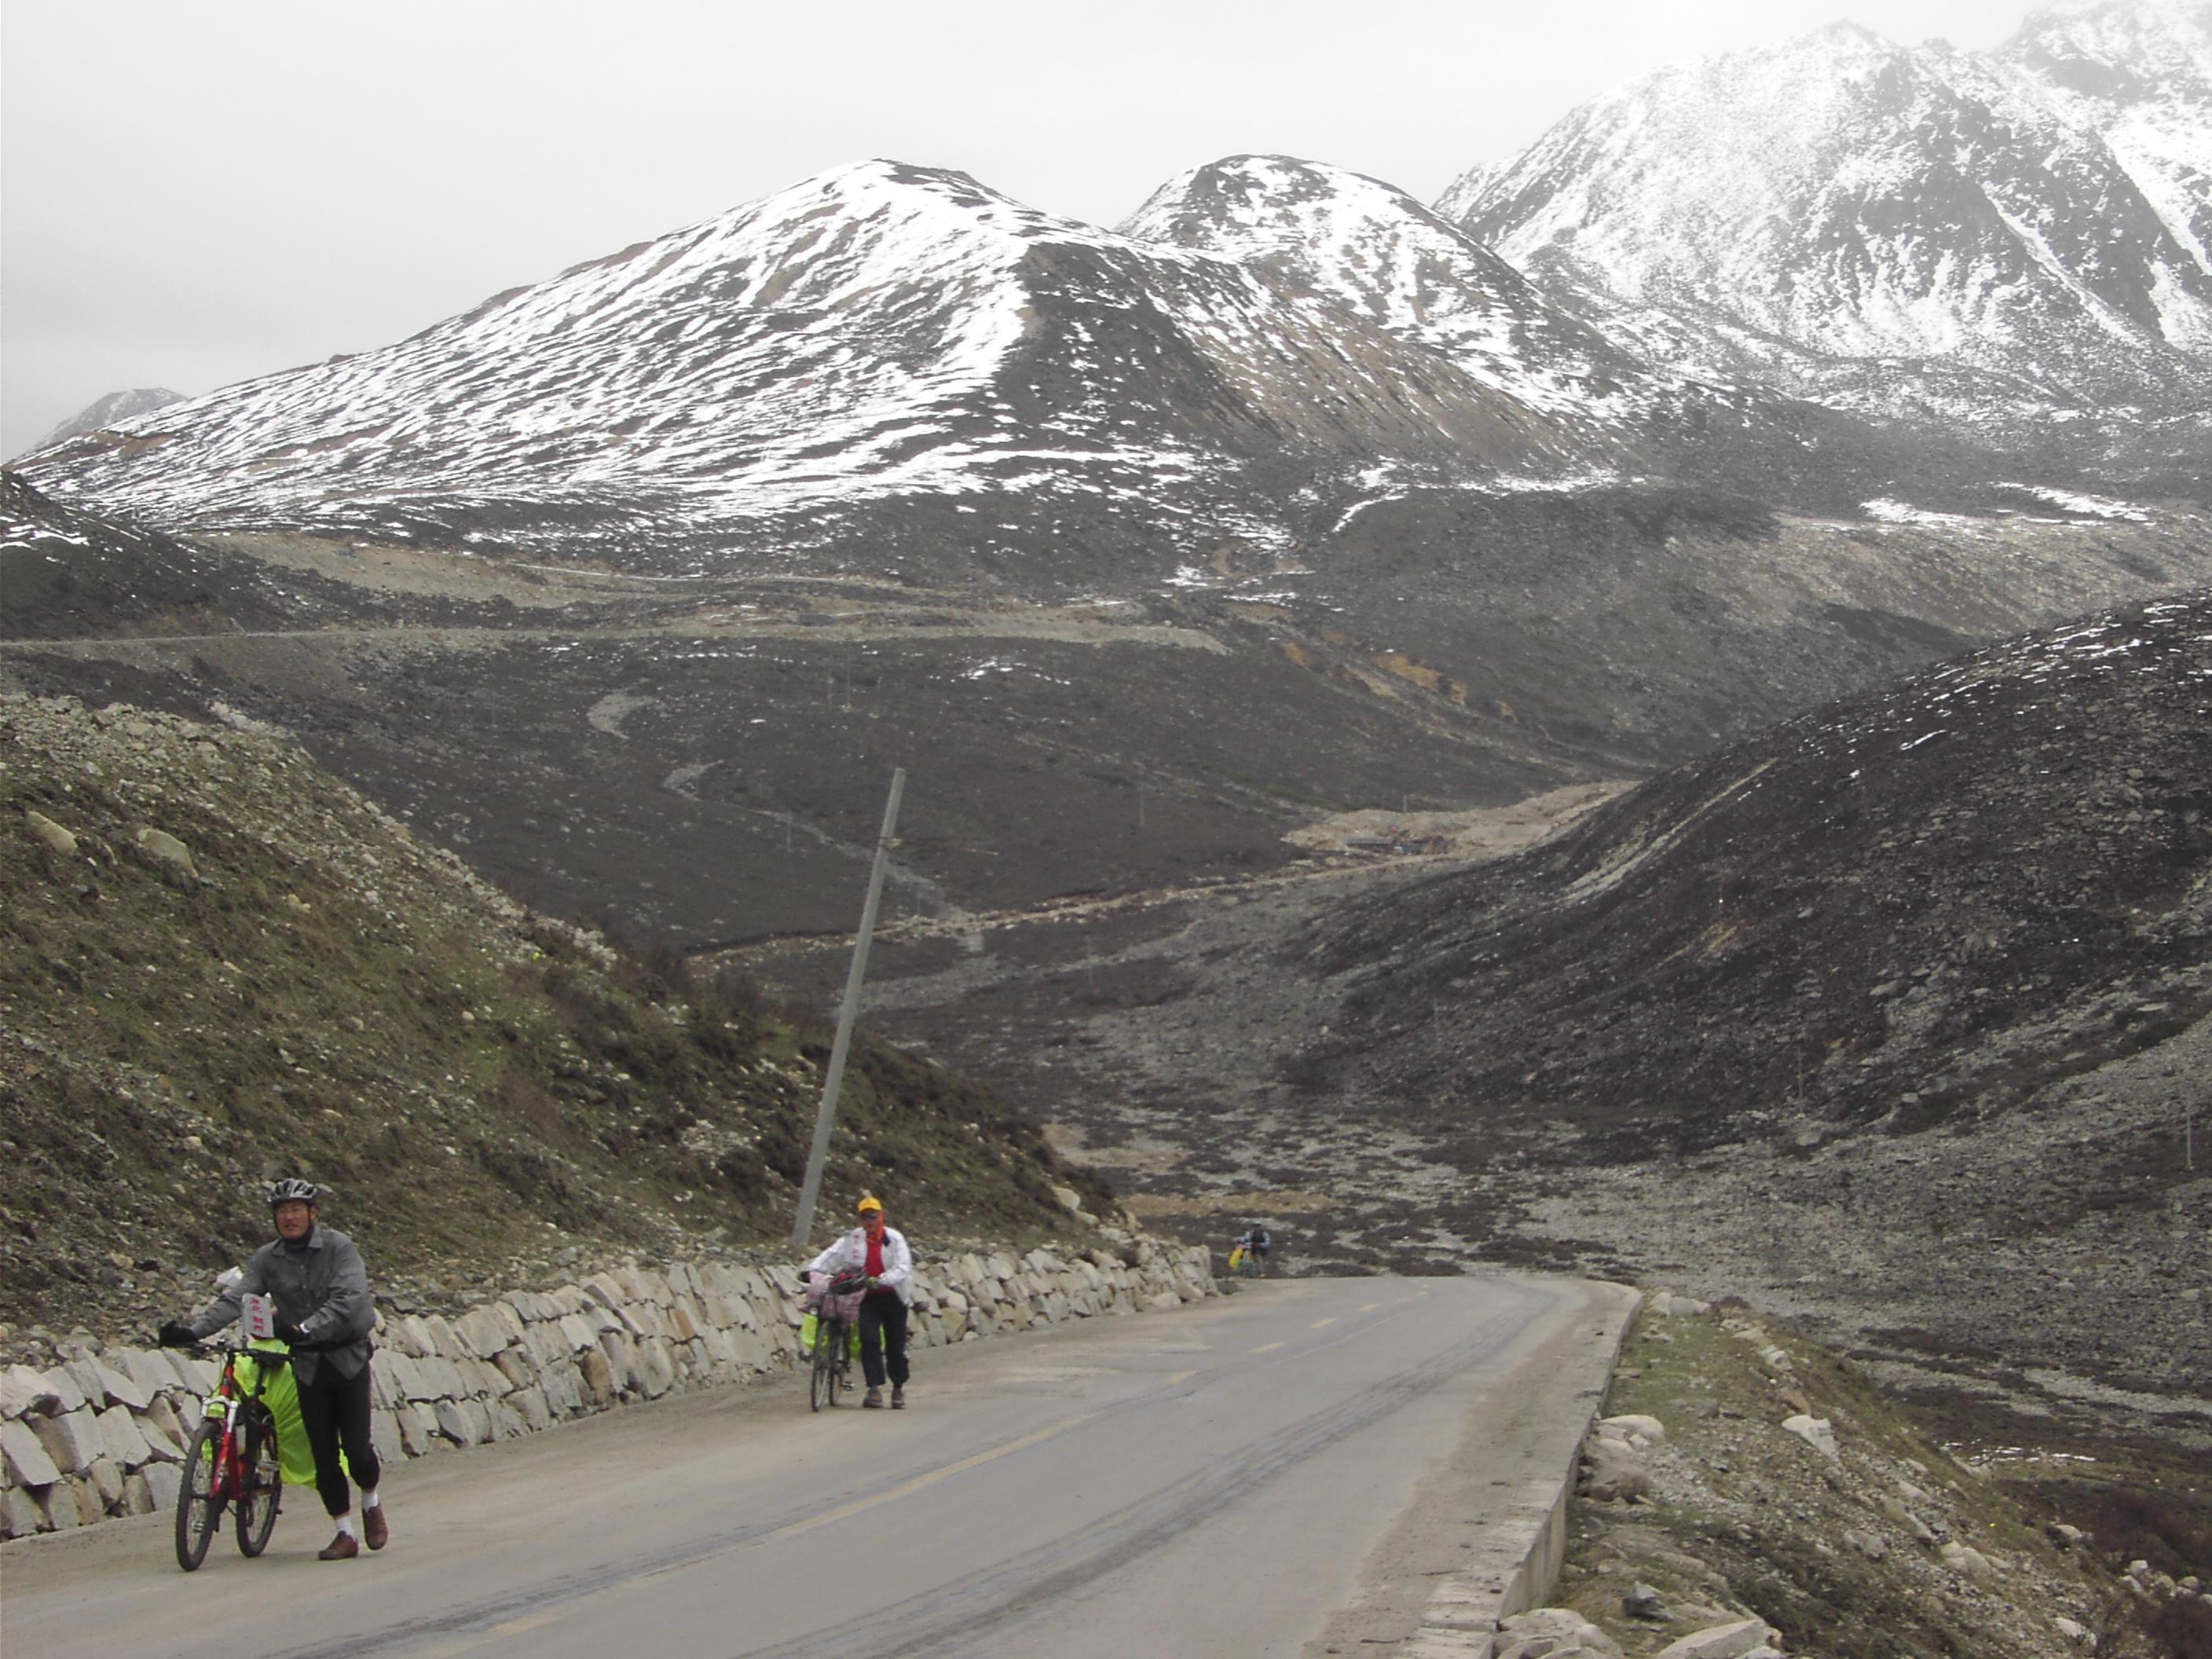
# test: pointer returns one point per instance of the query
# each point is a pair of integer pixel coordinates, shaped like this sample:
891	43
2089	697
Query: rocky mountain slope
219	964
2015	240
105	411
1895	1015
707	757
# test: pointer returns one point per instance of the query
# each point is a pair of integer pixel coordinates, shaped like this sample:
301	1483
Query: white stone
117	1388
455	1423
107	1480
418	1428
150	1368
120	1437
28	1463
1814	1431
483	1332
1730	1641
163	1482
68	1396
72	1439
23	1391
383	1435
1629	1426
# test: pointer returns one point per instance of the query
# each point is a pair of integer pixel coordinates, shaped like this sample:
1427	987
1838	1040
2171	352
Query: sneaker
898	1396
340	1548
374	1528
874	1400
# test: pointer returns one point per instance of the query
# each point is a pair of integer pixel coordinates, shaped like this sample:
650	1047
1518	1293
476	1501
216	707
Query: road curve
1217	1481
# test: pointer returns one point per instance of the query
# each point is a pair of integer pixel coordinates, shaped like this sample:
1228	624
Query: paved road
1216	1482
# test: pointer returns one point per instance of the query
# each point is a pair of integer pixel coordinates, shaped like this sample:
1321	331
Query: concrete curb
1525	1540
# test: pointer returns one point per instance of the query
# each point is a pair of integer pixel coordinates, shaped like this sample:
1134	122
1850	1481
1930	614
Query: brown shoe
340	1548
374	1528
874	1400
898	1400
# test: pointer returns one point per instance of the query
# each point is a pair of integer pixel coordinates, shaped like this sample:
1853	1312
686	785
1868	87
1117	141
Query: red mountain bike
233	1462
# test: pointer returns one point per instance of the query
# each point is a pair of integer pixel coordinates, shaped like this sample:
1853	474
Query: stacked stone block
104	1433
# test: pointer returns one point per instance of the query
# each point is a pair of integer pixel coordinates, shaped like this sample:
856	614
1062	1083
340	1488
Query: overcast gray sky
194	191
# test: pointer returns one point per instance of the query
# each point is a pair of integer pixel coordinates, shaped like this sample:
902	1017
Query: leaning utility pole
811	1190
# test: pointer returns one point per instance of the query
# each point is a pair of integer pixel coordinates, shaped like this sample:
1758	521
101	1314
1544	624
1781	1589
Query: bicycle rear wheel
839	1340
255	1510
198	1509
819	1389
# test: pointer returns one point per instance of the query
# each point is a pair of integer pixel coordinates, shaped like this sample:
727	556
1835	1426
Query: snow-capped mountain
2141	79
1375	252
2011	236
108	409
882	331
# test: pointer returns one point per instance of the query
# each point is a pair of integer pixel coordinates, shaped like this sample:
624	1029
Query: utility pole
810	1190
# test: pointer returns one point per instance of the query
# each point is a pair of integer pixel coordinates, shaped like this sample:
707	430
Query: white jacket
852	1251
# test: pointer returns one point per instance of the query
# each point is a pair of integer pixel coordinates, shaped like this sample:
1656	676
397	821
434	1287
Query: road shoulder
1484	1533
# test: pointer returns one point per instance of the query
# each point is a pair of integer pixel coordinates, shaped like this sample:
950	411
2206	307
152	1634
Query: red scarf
875	1261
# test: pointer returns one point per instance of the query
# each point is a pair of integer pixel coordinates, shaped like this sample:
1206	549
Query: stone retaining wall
103	1433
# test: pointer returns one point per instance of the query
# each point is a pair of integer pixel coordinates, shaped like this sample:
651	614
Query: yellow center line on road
1266	1347
529	1621
1319	1323
1181	1376
1369	1307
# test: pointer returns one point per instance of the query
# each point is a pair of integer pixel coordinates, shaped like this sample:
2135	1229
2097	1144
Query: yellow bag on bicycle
1236	1258
810	1330
281	1394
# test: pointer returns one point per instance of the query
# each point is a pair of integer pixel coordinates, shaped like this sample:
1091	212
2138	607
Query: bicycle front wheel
198	1508
255	1512
820	1389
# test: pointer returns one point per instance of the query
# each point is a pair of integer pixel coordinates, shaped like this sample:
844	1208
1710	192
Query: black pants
883	1338
335	1411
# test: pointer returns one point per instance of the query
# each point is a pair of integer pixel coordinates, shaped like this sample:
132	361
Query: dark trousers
883	1338
335	1411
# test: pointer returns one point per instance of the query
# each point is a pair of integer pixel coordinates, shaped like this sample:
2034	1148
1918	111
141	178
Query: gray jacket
318	1284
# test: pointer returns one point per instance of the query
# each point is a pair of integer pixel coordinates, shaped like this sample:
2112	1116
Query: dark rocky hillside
218	964
1894	1017
1932	902
706	757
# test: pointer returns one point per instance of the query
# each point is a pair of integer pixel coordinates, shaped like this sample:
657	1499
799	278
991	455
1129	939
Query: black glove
288	1333
174	1335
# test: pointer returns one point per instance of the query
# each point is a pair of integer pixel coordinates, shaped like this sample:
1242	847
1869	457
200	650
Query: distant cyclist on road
1248	1255
324	1310
880	1252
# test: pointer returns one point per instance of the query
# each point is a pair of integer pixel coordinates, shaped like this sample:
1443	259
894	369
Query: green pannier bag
810	1326
281	1394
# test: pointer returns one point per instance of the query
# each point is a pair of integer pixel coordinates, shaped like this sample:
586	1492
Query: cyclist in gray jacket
315	1276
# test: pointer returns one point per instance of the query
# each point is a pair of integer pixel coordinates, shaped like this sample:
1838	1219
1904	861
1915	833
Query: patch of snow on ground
2087	507
1894	512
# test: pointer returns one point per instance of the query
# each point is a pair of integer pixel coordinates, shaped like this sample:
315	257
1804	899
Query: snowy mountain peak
1376	252
108	411
1827	211
880	332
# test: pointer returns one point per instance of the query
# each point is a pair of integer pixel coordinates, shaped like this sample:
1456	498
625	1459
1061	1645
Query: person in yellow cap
880	1252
